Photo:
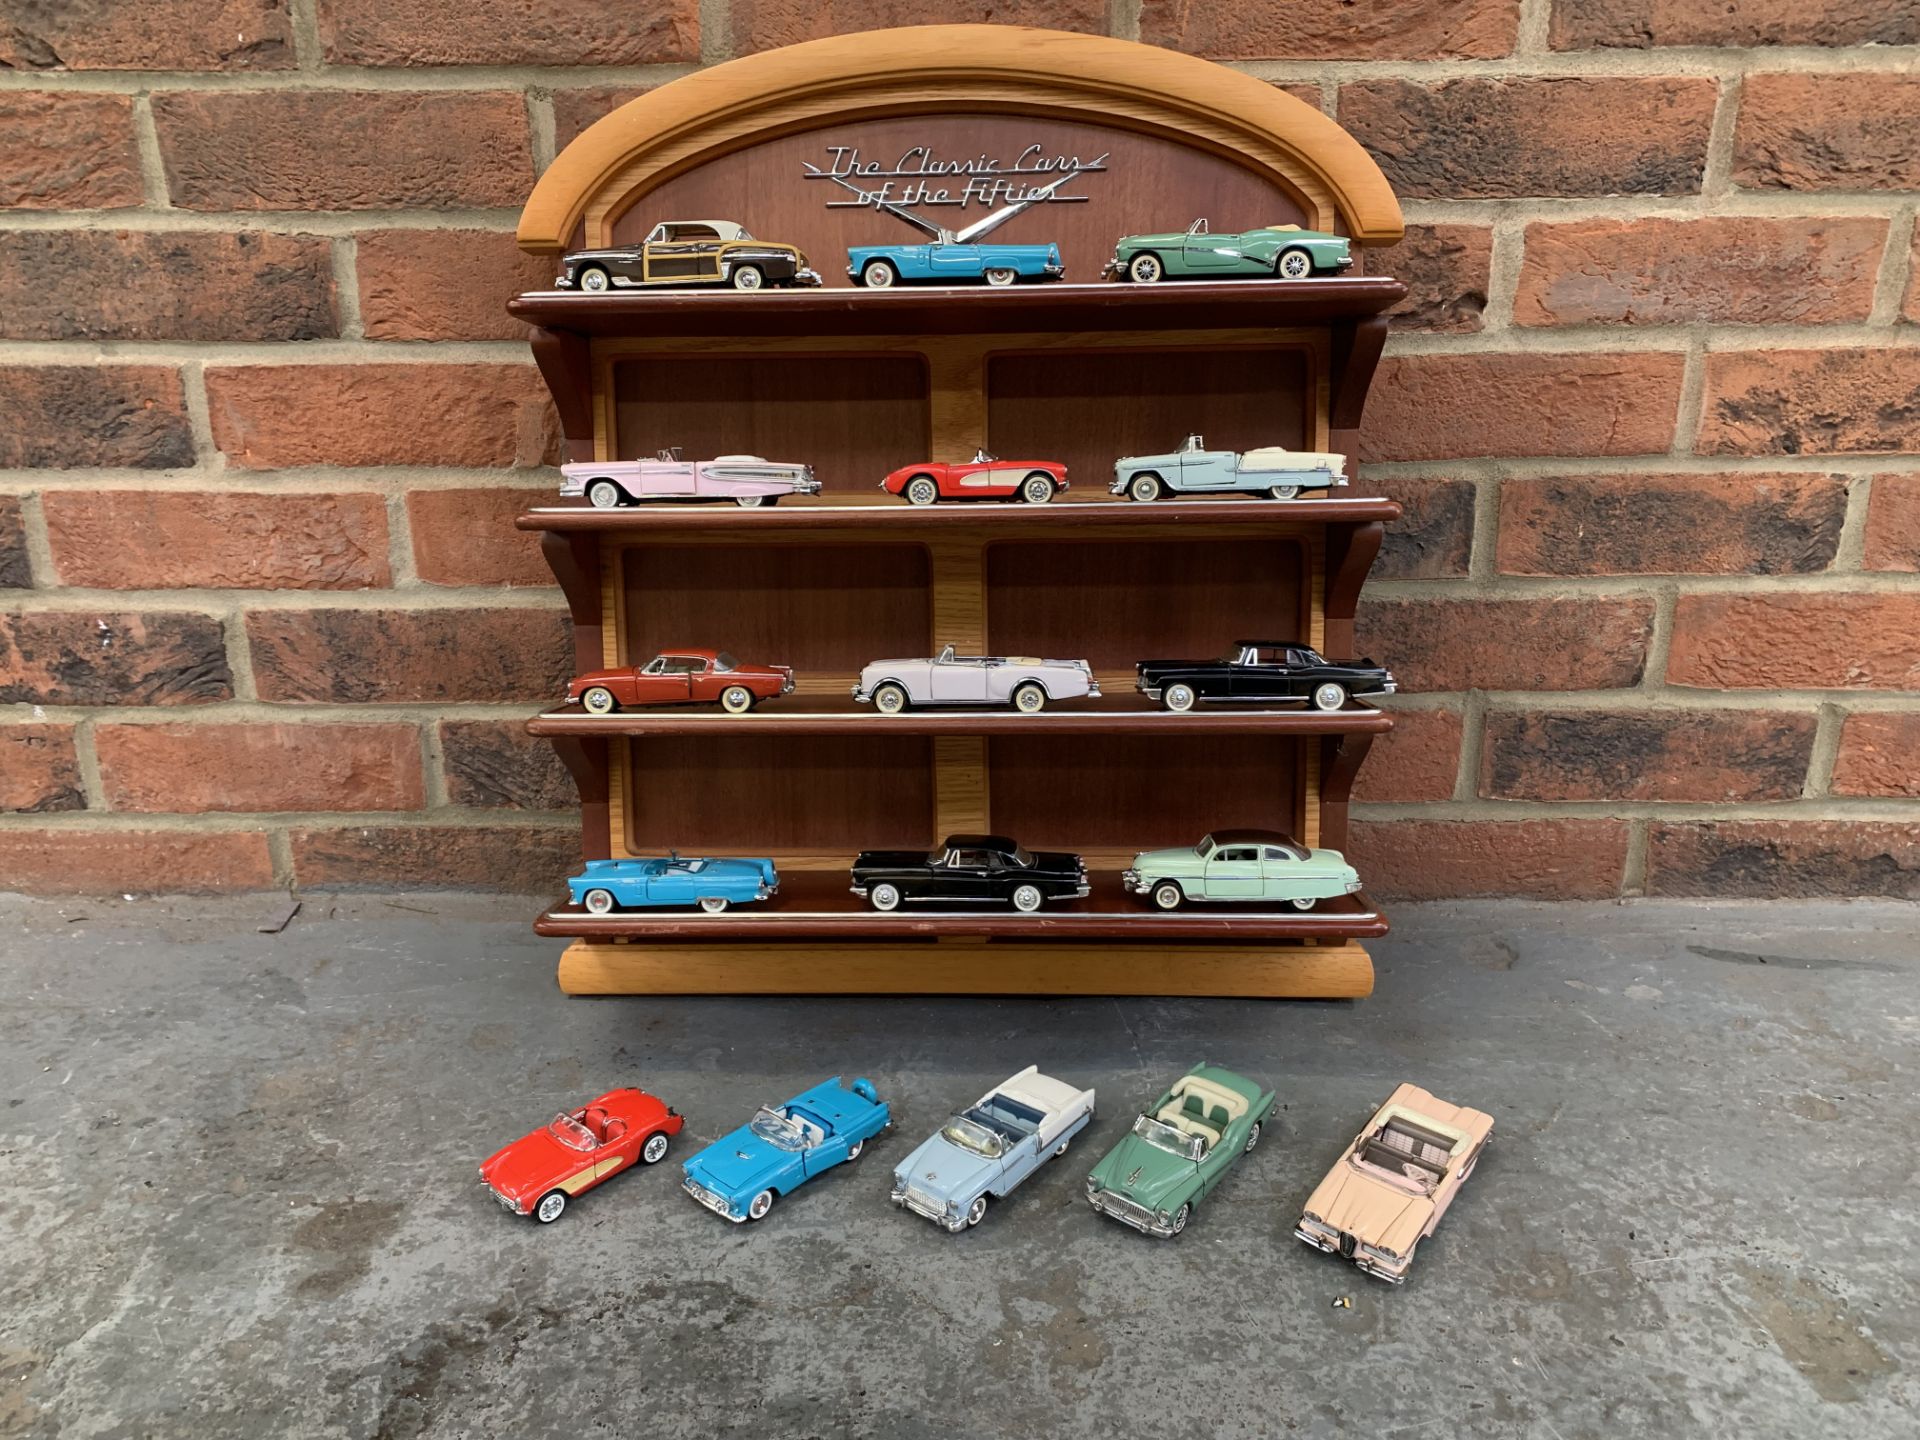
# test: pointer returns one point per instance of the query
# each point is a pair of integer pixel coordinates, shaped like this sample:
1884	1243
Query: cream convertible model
1395	1181
949	679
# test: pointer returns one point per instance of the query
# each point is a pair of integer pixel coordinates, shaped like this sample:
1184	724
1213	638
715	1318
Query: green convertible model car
1244	865
1282	252
1179	1149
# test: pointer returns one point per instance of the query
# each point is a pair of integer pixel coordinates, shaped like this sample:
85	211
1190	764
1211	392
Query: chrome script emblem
741	1155
1134	1176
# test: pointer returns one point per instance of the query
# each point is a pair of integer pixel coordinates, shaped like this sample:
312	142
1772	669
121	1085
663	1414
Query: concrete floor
238	1197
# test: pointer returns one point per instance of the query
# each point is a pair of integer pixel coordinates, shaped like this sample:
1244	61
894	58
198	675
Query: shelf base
1277	971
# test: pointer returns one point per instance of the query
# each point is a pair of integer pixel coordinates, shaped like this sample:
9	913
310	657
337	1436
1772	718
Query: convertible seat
1210	1094
1189	1117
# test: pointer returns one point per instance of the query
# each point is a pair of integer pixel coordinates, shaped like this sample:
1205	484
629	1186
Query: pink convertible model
744	479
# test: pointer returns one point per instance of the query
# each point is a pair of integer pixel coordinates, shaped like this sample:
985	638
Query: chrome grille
922	1203
706	1197
1124	1210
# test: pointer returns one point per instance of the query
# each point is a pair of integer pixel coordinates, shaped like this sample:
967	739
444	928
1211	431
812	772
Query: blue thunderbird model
990	1147
741	1174
609	885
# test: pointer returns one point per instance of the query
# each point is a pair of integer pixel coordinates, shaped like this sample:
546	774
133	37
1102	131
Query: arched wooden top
932	68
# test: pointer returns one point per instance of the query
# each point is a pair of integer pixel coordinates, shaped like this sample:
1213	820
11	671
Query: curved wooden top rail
925	68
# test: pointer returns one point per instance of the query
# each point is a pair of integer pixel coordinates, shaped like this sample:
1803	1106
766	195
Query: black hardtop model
969	869
1262	672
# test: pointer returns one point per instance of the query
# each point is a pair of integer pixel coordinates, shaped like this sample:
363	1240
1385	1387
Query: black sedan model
1261	672
969	870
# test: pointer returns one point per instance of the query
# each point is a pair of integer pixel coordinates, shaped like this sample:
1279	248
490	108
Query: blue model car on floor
712	884
984	1151
742	1173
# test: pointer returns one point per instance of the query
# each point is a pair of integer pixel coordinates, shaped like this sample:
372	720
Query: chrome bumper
806	275
510	1205
713	1202
927	1208
1118	1207
862	695
1131	882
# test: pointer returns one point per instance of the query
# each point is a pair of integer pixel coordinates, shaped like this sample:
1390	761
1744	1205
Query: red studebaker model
681	677
538	1174
985	477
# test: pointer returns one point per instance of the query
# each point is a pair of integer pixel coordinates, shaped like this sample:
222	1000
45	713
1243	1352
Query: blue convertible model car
879	266
990	1147
609	885
741	1174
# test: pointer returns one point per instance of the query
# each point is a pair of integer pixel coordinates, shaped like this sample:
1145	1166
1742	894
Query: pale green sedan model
1280	252
1243	865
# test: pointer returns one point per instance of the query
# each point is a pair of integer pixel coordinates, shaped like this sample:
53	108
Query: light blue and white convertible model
742	1173
990	1147
712	884
1195	470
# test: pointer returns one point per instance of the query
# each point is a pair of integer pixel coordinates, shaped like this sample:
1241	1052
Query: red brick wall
1652	407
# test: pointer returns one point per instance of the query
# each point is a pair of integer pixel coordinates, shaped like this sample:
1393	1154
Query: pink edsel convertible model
744	479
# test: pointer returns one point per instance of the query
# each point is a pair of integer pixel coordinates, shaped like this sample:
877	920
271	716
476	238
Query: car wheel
998	277
605	495
884	897
1026	898
1168	895
552	1206
1303	904
1146	268
595	280
749	502
1294	264
1180	1218
748	277
1061	1148
1037	488
1178	698
1329	696
922	490
878	275
977	1211
598	700
1284	492
1253	1138
758	1206
655	1150
890	699
713	904
1029	698
853	1150
736	700
598	902
1145	487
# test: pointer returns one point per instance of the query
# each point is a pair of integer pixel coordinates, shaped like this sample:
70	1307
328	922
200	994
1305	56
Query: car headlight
1093	1187
1165	1217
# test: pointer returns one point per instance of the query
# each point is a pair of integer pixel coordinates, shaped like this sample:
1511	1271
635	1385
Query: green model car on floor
1180	1147
1281	252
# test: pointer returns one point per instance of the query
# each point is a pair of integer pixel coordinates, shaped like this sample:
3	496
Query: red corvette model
539	1173
681	677
985	477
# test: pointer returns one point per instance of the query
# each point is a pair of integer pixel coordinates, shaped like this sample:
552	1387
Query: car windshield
1310	657
969	1136
1164	1137
686	867
1205	847
776	1129
571	1133
723	661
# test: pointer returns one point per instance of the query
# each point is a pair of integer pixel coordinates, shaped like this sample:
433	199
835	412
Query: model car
1246	865
747	480
1022	682
1283	252
984	1151
673	879
985	477
539	1173
1396	1180
1179	1149
950	257
1195	470
1261	672
742	1173
681	677
969	870
687	252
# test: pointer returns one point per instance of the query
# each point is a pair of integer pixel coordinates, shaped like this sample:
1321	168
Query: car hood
1180	860
739	1163
1163	1181
529	1167
1370	1210
890	860
948	1171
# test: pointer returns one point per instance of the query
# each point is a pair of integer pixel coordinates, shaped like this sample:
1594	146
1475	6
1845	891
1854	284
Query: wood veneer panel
853	418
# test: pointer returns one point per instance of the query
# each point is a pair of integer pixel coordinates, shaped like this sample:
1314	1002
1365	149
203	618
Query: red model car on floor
538	1174
681	677
985	477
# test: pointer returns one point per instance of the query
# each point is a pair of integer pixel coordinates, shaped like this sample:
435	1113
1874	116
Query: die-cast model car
538	1174
1179	1149
1261	672
674	879
1022	682
1270	470
985	1150
951	257
981	870
1282	252
687	252
747	480
681	677
1388	1191
742	1173
985	477
1242	865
